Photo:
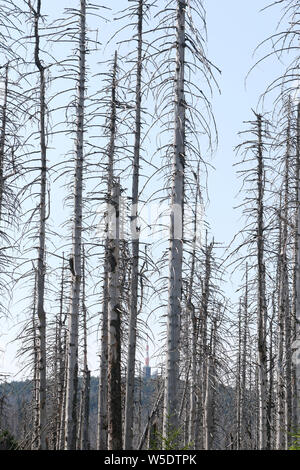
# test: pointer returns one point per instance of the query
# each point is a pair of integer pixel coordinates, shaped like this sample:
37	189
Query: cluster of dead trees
79	132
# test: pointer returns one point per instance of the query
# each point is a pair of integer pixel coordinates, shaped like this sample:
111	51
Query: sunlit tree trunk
261	295
3	137
114	323
129	400
176	235
297	342
83	428
72	378
282	299
102	431
41	265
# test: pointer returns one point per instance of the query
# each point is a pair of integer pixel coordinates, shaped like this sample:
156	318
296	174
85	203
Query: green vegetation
7	441
296	442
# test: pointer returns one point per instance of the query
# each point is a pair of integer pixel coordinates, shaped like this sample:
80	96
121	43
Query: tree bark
170	422
41	265
297	342
129	400
261	300
114	323
72	378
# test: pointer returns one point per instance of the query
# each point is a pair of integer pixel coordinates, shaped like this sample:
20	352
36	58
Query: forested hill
16	401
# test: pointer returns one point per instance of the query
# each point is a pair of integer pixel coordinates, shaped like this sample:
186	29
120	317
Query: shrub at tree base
7	441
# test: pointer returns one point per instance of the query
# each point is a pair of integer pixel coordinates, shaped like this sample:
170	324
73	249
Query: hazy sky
235	28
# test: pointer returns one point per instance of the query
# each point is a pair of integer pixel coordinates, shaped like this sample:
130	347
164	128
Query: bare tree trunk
114	323
72	378
102	432
270	413
83	428
244	365
36	402
102	395
282	298
129	400
60	360
238	386
287	316
193	386
195	332
61	440
154	411
3	137
176	236
297	342
41	268
261	301
208	403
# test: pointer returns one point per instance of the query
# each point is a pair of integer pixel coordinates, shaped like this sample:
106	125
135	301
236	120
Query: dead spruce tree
114	310
41	267
11	112
84	412
284	141
297	277
284	44
176	95
13	107
102	419
72	367
261	292
255	241
130	378
109	427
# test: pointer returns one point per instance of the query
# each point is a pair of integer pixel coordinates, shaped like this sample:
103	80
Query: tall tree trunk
297	342
36	403
60	359
61	440
238	386
170	423
72	378
270	406
209	393
83	428
261	301
102	391
129	400
41	268
204	320
3	137
102	432
114	323
243	414
282	298
195	331
287	316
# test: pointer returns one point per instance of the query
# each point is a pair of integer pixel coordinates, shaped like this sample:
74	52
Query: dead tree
114	340
174	97
261	292
84	412
102	426
297	281
41	268
255	210
176	237
130	378
72	375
